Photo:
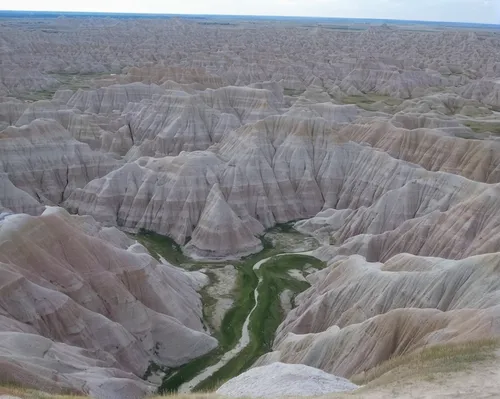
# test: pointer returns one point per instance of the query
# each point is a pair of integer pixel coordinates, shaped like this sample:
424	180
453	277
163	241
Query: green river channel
264	282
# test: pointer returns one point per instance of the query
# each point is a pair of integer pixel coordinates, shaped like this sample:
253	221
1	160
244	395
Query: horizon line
160	14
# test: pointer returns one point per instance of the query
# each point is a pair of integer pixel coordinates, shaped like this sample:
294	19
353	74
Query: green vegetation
429	361
232	323
285	228
265	319
366	101
483	127
37	95
228	336
292	92
267	316
75	81
208	301
71	81
159	245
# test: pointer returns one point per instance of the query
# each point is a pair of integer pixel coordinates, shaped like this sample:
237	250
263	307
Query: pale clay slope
288	168
42	159
177	123
280	380
96	301
358	314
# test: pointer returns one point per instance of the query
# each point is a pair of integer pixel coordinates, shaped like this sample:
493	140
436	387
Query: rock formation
220	231
44	160
358	314
382	143
281	380
92	298
286	168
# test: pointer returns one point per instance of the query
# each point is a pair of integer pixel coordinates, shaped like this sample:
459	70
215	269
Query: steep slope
286	168
358	314
475	159
94	299
45	161
451	230
83	127
220	231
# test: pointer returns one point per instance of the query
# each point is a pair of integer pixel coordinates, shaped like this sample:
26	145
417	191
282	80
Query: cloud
486	11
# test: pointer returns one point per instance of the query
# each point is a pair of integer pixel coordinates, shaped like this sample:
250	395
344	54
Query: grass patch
16	390
267	316
483	127
293	92
285	228
75	81
228	336
159	245
232	322
37	95
429	361
366	101
71	81
208	301
264	321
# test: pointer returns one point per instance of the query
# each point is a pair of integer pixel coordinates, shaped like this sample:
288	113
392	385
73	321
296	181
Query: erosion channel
264	287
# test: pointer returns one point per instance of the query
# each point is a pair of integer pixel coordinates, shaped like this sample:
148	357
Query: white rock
280	379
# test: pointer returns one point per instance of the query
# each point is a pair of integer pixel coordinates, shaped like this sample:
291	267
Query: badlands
186	199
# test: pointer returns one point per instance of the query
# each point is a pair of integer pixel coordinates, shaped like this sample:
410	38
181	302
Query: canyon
186	202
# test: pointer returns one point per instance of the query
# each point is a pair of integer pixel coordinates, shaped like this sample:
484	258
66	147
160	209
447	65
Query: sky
482	11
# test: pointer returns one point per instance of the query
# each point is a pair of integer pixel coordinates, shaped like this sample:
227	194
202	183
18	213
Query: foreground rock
85	309
280	379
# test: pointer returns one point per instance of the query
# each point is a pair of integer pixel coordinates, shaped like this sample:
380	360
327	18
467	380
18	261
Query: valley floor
246	331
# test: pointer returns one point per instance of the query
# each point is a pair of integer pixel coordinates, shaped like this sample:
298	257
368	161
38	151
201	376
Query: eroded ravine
188	386
248	327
